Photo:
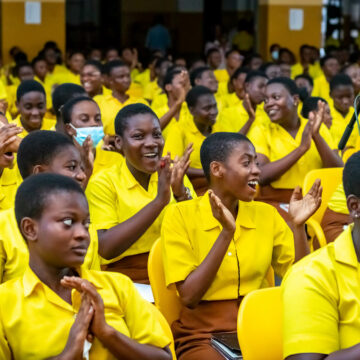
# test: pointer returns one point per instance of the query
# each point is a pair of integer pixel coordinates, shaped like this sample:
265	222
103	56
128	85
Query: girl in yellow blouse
105	318
219	247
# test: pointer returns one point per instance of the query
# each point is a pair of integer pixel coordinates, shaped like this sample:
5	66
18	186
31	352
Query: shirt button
229	253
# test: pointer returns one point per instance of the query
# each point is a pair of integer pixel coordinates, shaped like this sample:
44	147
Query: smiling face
40	69
353	72
60	237
91	79
142	143
32	108
343	97
76	63
279	104
119	79
256	89
208	80
205	110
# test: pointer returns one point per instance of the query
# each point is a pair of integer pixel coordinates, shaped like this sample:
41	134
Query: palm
221	212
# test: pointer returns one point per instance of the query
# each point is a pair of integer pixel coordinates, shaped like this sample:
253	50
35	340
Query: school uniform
321	88
47	124
10	180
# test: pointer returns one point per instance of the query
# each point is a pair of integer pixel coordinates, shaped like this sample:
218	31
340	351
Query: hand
3	106
222	213
9	141
318	118
300	209
248	107
180	95
87	154
179	169
307	136
109	143
164	181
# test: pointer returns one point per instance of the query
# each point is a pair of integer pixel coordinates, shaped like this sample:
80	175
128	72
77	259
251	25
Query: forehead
86	105
242	149
276	87
90	67
66	153
141	121
119	70
205	100
63	200
25	69
331	62
32	96
343	90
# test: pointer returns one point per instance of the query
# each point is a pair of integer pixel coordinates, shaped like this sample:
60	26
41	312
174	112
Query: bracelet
187	196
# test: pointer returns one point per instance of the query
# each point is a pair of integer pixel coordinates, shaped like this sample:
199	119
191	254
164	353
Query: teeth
272	112
150	155
253	183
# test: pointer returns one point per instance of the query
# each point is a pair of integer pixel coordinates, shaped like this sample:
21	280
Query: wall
30	37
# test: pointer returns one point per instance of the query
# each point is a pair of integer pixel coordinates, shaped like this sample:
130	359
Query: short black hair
96	64
66	110
169	77
28	86
123	116
289	84
303	47
32	195
36	59
325	58
20	65
351	175
254	74
160	61
212	50
340	80
197	74
114	64
218	147
229	52
238	71
63	93
194	94
306	77
310	104
39	148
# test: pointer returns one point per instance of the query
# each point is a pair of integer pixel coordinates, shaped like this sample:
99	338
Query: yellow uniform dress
143	78
105	159
35	321
151	90
47	124
262	239
10	180
275	142
110	106
314	70
321	296
14	253
221	75
321	88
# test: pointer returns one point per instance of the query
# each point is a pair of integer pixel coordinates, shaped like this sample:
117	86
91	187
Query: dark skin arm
249	109
351	353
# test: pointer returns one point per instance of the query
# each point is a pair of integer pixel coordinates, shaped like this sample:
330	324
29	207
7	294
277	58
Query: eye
157	134
68	222
246	163
87	224
137	136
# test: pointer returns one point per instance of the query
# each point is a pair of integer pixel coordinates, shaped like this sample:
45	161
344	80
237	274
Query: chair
259	325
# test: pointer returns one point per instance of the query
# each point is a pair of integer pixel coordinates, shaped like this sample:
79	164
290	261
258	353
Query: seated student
342	96
237	81
148	74
82	120
321	292
52	56
241	117
75	62
289	146
203	109
91	78
311	108
31	104
126	201
285	69
40	151
330	67
213	59
227	252
131	57
253	62
305	84
120	81
271	70
306	64
353	71
53	217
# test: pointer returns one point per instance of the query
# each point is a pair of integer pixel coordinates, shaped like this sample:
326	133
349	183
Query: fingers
296	195
315	187
72	282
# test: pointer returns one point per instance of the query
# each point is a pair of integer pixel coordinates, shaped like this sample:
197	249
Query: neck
120	95
231	203
25	126
204	129
51	67
356	238
96	92
292	124
42	78
343	113
142	178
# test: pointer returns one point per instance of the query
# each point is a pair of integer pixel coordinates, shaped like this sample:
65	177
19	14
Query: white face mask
96	133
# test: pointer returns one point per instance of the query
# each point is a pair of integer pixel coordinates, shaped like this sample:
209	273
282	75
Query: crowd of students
102	155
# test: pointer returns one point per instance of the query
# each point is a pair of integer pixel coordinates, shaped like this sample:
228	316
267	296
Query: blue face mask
96	133
275	55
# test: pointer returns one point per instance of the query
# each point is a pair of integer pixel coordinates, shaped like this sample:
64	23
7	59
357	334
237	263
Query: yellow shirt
14	253
223	89
262	239
230	100
337	201
221	75
47	124
105	159
110	106
159	101
65	76
275	142
314	70
10	180
35	321
3	92
151	90
143	78
47	84
321	88
321	296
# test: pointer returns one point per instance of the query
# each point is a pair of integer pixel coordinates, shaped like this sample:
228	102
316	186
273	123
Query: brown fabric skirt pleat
192	331
333	224
135	267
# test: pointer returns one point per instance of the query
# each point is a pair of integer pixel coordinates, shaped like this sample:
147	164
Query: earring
356	216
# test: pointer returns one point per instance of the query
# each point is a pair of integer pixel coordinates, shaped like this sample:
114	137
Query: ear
168	87
353	204
216	169
296	99
119	144
69	130
29	229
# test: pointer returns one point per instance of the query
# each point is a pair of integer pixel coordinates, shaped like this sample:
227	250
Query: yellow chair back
259	325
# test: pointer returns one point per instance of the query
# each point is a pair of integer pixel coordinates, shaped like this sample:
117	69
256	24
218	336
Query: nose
80	176
255	170
81	232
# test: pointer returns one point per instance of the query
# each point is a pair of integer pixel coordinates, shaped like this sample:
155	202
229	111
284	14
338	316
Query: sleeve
143	319
175	142
325	133
178	253
257	136
102	202
92	258
310	314
5	353
284	248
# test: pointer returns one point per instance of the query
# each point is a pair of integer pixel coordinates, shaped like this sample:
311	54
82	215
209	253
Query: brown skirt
333	224
192	331
135	267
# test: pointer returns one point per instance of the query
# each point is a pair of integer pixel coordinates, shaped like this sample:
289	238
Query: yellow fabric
143	78
134	73
221	75
314	70
47	124
223	90
262	239
105	159
47	84
321	300
135	90
14	254
64	75
243	40
10	180
151	90
159	101
31	312
110	106
337	201
275	142
339	124
3	92
321	88
230	100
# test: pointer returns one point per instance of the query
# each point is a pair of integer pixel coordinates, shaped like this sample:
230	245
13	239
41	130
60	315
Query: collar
128	178
344	248
208	221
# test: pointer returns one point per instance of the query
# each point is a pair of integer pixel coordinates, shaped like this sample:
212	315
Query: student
306	64
31	105
321	292
311	106
305	84
213	58
41	151
53	217
203	109
271	70
226	253
330	67
242	116
353	71
120	81
253	62
130	56
285	69
91	78
75	64
342	96
289	146
82	122
126	201
233	60
237	81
